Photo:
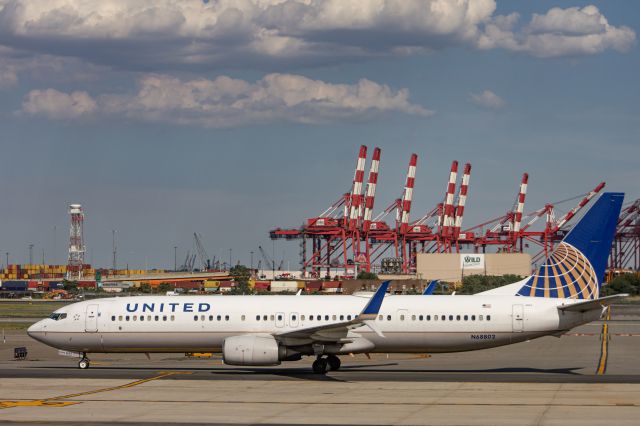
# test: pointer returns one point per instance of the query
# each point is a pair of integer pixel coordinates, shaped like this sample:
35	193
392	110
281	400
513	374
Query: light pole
230	252
175	258
30	254
251	260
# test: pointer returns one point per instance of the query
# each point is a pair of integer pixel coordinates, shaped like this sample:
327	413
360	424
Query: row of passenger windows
142	318
295	317
441	317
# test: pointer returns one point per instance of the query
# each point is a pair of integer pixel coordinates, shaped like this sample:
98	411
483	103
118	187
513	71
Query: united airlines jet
266	330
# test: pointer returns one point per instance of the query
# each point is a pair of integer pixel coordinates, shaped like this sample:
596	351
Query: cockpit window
56	316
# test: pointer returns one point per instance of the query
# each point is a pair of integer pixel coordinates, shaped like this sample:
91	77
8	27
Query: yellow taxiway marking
604	349
57	401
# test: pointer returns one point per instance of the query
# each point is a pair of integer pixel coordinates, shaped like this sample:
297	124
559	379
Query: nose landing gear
323	365
83	364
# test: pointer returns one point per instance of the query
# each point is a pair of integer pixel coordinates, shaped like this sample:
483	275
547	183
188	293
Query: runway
588	376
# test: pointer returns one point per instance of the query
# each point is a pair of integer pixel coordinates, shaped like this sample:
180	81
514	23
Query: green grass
27	309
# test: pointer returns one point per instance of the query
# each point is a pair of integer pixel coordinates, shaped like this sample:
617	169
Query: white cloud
487	99
279	34
559	32
226	102
58	105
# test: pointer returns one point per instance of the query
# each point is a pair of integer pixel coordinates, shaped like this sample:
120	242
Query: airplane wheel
320	366
83	364
334	362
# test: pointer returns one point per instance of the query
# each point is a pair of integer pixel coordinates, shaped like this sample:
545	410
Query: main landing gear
323	365
83	364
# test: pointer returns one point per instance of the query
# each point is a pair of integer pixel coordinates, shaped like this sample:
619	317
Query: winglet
373	307
430	288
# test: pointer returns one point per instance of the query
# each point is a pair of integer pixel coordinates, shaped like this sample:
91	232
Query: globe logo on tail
567	273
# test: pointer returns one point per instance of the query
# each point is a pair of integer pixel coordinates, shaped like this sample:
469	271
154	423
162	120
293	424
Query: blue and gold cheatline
567	273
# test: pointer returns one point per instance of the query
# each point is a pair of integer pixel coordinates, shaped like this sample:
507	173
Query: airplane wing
430	288
589	305
337	332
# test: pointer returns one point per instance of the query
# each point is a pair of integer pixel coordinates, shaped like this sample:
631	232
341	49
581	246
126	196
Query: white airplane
266	330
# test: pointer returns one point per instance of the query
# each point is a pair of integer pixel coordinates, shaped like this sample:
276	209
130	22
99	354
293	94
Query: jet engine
255	350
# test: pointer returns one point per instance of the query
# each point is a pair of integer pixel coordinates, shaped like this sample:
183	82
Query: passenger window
302	317
420	318
201	317
219	317
479	317
349	317
326	317
164	318
195	318
113	317
450	317
135	317
310	317
435	318
241	317
466	317
157	318
488	317
273	317
428	317
457	317
341	317
401	317
264	317
141	317
173	317
226	317
279	317
380	317
127	317
444	318
148	317
473	317
388	317
119	317
257	317
294	317
211	318
334	317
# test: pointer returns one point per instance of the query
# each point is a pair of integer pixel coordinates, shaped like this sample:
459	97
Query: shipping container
14	286
331	284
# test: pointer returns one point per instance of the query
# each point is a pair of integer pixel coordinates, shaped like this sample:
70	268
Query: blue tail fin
577	266
430	288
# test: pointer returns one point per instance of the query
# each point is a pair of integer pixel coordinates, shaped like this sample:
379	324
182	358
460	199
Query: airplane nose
34	329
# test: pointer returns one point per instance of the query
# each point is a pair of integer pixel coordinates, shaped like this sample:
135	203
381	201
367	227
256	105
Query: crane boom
202	253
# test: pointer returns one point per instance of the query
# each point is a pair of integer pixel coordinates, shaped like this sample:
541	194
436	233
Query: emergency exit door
518	318
91	319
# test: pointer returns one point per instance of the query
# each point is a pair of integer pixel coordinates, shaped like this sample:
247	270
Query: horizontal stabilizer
590	305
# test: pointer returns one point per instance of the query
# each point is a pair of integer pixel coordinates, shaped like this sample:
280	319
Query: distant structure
76	243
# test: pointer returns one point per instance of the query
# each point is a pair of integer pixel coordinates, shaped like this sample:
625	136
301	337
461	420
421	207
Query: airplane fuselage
405	324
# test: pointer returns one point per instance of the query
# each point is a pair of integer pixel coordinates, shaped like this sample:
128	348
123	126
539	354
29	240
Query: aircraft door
293	319
280	319
517	318
91	319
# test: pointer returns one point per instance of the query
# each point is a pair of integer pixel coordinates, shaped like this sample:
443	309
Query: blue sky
229	119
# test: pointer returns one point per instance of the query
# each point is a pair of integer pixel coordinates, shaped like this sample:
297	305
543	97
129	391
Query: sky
230	118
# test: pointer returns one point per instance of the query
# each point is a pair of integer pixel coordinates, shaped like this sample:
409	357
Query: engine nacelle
251	350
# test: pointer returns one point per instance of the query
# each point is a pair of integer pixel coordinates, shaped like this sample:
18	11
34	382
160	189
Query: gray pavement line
377	403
